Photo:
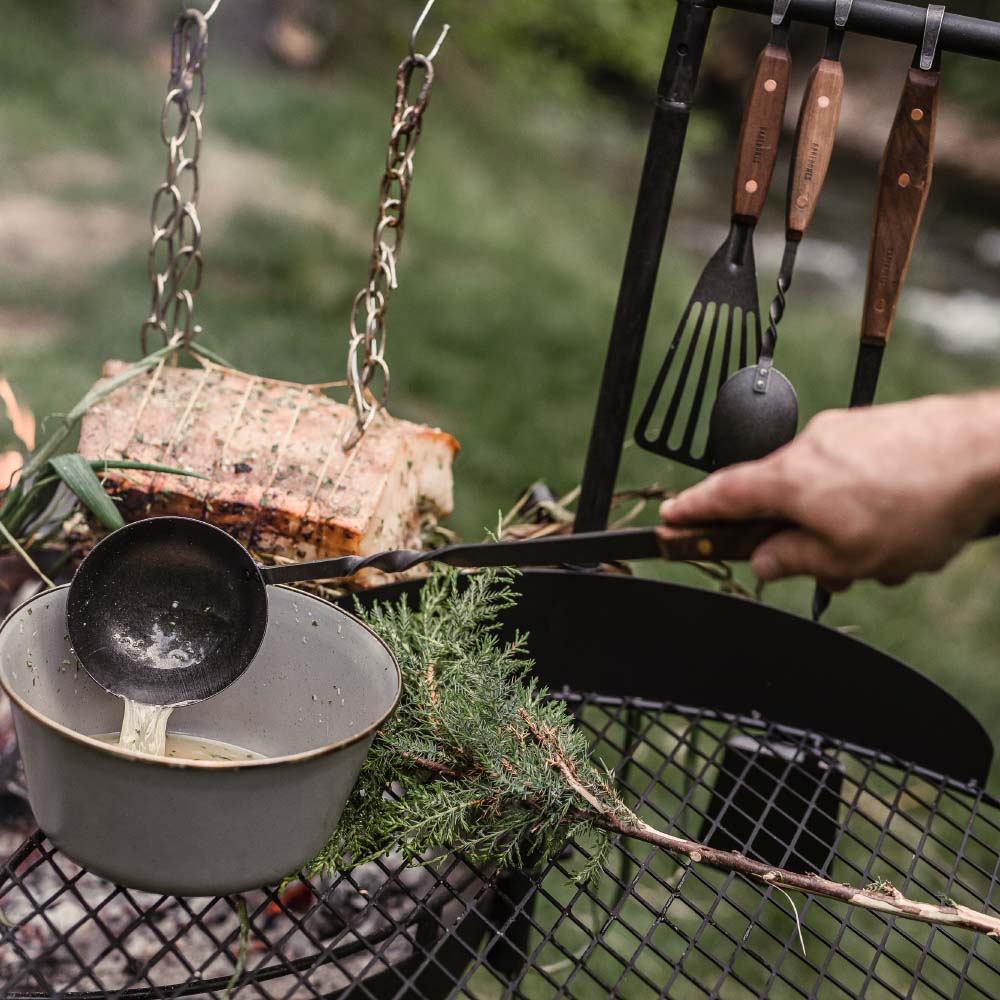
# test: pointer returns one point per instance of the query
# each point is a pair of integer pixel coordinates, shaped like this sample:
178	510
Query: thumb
795	553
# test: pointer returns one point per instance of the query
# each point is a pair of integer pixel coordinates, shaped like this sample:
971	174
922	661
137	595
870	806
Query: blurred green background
521	205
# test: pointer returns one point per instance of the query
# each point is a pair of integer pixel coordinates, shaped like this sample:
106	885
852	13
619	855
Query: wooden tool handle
719	540
904	183
814	138
761	131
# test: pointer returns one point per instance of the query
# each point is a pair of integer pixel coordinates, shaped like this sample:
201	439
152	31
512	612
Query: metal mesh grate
651	927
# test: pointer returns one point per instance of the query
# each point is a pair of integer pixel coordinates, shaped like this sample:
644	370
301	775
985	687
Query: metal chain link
366	351
213	7
174	263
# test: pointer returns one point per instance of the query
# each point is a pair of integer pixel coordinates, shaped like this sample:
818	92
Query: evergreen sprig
478	759
461	755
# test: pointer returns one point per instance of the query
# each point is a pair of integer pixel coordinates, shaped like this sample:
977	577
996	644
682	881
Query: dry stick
888	900
432	765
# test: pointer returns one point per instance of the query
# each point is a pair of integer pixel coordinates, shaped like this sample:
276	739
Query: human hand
876	493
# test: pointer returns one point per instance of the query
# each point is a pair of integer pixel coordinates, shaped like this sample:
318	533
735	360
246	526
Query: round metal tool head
167	611
747	424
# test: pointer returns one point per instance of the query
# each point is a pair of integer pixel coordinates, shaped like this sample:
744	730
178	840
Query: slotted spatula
757	411
674	421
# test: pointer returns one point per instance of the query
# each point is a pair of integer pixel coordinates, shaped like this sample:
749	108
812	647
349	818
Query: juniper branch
482	761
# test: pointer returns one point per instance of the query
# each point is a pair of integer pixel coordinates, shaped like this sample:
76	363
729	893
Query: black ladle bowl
169	610
755	412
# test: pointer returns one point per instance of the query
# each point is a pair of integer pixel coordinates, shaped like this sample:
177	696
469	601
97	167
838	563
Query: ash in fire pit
76	932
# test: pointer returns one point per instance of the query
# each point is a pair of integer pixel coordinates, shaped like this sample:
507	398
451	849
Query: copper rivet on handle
704	547
824	102
802	201
770	86
880	305
904	180
917	114
750	186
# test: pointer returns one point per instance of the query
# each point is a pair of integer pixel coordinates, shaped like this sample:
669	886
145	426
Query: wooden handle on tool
717	541
903	186
814	138
761	131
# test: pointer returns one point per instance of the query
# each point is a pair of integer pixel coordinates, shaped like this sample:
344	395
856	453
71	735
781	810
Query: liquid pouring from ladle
756	410
170	610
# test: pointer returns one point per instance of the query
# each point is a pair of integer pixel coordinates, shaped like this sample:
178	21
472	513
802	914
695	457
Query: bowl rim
208	765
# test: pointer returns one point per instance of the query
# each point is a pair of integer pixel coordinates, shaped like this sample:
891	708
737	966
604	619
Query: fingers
799	553
746	491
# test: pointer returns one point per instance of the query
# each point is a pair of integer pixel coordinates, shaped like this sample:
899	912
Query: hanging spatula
674	421
903	186
757	411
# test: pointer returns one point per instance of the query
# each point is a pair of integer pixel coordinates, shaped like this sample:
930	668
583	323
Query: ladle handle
819	116
718	541
721	541
904	183
761	131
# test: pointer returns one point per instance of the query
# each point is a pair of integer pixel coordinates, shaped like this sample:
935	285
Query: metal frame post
642	259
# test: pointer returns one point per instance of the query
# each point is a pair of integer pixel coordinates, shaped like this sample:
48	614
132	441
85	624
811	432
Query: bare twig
432	765
890	901
881	897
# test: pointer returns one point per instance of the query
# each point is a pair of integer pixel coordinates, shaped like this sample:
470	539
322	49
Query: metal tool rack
787	753
674	99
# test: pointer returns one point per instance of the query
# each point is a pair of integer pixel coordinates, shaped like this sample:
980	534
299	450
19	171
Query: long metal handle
728	541
731	541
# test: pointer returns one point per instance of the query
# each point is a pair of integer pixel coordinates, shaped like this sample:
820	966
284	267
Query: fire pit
653	928
787	792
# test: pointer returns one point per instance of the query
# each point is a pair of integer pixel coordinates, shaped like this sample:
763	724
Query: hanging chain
366	352
174	263
212	8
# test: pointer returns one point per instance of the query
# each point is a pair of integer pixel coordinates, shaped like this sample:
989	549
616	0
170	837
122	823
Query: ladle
170	610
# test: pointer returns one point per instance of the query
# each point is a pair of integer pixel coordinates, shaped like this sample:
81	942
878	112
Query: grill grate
651	927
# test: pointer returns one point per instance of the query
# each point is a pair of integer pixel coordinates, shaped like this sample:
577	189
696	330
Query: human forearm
880	492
